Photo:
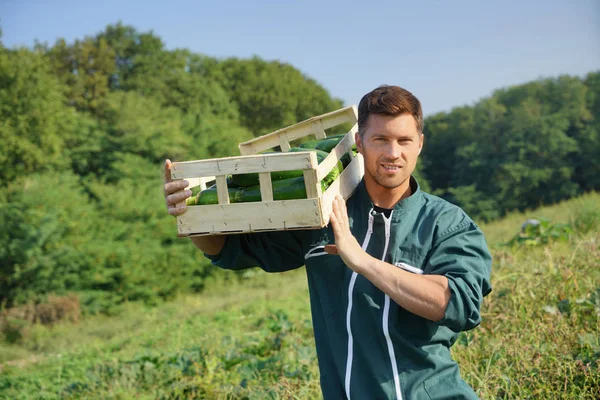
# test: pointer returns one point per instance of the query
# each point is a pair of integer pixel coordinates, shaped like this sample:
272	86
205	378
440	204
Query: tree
34	121
271	95
85	68
139	125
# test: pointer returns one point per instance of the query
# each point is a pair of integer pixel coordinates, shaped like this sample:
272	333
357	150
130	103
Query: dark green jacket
368	347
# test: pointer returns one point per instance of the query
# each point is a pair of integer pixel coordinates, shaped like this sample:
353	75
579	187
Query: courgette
346	159
247	180
286	189
209	196
323	144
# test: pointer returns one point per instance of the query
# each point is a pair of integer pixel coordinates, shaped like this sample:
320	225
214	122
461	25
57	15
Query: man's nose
393	150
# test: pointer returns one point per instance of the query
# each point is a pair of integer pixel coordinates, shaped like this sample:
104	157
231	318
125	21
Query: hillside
253	339
85	128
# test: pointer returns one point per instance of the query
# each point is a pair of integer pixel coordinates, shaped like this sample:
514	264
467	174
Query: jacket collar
401	207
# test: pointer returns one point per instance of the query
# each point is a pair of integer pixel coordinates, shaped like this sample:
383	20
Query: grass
539	338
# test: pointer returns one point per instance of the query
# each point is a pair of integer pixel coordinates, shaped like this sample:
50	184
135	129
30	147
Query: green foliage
523	147
271	95
254	339
85	128
541	233
85	69
63	234
34	122
140	125
47	221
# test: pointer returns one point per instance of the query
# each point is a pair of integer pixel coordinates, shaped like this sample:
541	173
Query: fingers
178	197
177	210
168	165
339	209
175	186
343	209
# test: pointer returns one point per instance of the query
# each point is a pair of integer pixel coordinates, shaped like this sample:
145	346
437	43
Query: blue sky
448	53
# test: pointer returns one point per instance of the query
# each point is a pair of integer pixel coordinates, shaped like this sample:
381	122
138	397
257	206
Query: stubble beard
388	183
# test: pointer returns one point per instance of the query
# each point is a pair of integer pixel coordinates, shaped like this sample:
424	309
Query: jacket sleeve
277	251
461	255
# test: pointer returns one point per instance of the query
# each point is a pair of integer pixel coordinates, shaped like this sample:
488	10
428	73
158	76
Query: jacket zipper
386	313
349	309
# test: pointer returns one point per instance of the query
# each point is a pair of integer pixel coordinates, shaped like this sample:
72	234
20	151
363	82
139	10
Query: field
253	340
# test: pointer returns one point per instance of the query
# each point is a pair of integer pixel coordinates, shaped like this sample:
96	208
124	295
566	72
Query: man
393	279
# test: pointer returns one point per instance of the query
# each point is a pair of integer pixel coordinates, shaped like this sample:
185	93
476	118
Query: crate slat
250	217
242	165
344	185
222	192
336	154
266	186
313	187
299	130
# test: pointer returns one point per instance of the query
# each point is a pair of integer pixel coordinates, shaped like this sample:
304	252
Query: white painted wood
335	155
249	217
222	192
241	165
301	129
344	186
318	129
284	143
266	188
312	185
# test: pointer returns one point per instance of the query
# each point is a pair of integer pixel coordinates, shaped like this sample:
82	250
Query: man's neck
387	198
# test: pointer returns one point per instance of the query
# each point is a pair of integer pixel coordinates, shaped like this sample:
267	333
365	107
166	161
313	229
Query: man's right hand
175	194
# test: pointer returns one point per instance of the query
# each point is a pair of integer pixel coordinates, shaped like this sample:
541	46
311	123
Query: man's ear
358	141
421	142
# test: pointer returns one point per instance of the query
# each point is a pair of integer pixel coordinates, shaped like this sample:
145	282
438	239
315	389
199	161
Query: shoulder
446	217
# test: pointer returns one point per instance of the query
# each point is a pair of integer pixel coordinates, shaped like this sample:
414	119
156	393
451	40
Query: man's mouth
390	167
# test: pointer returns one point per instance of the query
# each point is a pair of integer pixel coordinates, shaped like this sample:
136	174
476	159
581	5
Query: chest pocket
409	261
409	324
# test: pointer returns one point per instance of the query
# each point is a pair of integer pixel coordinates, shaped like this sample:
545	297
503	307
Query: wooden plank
335	155
318	130
344	186
301	129
266	188
222	192
284	143
241	164
313	187
250	217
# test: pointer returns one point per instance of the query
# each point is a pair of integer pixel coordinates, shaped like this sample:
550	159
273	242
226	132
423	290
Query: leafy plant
540	233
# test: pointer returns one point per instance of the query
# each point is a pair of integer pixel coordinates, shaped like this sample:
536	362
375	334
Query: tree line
85	127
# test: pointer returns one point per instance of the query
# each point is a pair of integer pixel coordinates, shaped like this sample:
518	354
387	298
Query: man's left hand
346	245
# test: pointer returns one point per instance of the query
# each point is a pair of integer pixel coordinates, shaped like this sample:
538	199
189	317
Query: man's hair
391	101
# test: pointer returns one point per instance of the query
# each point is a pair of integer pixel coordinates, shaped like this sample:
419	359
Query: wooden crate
269	214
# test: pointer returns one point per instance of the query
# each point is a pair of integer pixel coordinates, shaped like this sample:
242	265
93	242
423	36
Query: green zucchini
209	196
323	144
247	180
286	189
346	159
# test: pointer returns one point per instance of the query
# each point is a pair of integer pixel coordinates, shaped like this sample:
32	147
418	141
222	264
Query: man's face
390	147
